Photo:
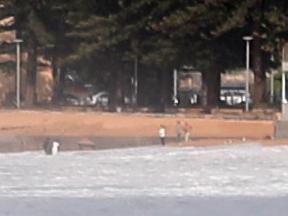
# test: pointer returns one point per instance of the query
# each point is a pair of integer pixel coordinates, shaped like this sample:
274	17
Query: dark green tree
29	26
266	21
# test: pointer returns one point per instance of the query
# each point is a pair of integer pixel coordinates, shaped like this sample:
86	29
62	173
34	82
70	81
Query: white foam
147	173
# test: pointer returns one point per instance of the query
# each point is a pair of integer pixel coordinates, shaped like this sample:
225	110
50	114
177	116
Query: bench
86	144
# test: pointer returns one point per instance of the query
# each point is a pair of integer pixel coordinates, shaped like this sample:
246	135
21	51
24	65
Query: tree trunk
30	94
116	91
161	91
211	85
165	81
59	74
119	88
258	54
258	67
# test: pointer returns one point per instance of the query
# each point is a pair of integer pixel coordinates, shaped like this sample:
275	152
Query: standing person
47	146
50	146
179	131
162	134
187	129
55	147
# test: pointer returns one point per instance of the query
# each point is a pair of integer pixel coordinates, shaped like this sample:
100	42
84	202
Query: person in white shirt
162	134
55	147
50	146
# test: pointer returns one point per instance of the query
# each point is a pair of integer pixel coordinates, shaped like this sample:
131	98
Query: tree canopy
102	39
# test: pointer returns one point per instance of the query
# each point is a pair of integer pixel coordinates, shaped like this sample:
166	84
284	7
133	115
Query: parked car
188	98
98	99
70	100
233	96
10	99
102	98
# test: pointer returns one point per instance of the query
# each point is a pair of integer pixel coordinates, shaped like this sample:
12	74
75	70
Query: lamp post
272	73
284	73
18	75
247	39
135	94
175	87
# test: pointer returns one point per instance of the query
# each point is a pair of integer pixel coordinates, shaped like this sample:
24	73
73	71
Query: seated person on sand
51	147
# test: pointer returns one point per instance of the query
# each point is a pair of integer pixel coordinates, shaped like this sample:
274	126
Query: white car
232	96
98	99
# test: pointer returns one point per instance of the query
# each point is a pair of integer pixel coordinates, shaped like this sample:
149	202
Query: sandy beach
119	127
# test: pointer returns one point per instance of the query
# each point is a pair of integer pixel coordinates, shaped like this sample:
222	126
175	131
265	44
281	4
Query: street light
247	94
135	94
18	75
284	73
175	87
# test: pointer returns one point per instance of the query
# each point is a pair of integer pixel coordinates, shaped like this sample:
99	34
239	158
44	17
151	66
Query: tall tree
187	25
94	41
29	27
264	20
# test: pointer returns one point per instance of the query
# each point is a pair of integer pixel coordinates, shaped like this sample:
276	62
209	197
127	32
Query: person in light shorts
187	131
179	131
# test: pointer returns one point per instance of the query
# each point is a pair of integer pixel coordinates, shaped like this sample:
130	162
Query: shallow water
238	170
236	180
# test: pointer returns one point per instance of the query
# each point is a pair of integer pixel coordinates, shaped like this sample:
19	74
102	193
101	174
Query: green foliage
106	34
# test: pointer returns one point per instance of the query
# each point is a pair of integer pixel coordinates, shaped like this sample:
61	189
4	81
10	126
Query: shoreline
76	143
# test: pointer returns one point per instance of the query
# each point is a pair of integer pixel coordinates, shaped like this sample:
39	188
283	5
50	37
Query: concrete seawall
33	143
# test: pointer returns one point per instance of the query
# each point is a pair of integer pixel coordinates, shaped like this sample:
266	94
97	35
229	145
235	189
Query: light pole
272	74
247	94
135	95
175	87
284	72
18	75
